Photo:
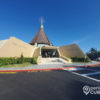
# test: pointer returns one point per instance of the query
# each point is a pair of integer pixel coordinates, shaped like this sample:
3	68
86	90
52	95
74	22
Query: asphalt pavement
52	85
93	72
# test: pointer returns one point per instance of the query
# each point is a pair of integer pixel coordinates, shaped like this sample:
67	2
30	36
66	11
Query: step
53	61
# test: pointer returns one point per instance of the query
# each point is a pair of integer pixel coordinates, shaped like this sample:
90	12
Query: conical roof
40	37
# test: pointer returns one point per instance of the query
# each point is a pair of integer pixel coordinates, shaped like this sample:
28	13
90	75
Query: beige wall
36	52
15	47
71	51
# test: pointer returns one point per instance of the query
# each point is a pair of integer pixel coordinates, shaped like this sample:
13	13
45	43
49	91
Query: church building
40	47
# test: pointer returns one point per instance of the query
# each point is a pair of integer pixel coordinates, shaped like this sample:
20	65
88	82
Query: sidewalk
47	67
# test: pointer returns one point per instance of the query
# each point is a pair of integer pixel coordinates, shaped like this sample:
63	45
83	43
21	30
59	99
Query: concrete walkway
46	66
49	66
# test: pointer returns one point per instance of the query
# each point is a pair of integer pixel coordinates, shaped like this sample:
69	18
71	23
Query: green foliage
6	61
93	54
20	60
80	59
34	60
27	59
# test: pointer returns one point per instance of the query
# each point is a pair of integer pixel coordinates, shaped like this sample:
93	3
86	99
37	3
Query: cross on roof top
41	20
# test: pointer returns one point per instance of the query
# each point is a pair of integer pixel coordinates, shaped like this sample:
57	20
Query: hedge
20	60
80	59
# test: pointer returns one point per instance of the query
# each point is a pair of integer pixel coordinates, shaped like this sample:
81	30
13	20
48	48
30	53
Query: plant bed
11	61
80	59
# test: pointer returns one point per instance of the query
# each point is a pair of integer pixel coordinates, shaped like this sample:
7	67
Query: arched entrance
49	53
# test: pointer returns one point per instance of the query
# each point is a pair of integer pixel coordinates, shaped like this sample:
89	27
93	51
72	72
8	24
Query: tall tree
93	54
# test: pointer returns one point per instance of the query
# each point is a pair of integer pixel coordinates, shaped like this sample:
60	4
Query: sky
65	21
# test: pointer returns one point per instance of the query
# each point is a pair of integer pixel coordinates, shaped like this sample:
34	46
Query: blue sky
66	21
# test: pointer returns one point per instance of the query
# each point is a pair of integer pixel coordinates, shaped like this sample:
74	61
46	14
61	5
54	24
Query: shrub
12	60
6	61
80	59
20	60
34	60
27	59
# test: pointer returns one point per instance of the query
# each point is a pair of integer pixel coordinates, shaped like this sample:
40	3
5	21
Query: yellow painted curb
8	72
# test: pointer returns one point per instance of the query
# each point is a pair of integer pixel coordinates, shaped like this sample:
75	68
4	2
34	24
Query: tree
93	54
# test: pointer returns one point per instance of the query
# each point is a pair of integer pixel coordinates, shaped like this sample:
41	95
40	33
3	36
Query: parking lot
92	72
50	85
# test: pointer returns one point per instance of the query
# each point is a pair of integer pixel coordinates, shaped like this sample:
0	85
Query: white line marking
78	69
87	77
74	69
94	73
84	75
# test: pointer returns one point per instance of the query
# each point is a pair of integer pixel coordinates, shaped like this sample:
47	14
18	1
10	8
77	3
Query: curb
25	70
48	69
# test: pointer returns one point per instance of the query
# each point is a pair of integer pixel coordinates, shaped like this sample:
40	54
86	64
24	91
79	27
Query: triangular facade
41	37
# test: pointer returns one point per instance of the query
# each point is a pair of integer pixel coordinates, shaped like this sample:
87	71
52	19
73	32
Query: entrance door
49	53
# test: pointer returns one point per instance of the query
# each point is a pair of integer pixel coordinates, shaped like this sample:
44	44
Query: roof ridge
41	37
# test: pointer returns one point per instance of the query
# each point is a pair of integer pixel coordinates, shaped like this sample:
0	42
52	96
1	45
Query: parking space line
86	77
94	73
74	69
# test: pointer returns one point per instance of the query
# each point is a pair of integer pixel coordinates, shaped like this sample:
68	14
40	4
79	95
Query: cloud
80	40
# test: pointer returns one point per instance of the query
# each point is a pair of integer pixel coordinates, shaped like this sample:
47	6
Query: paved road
53	85
93	72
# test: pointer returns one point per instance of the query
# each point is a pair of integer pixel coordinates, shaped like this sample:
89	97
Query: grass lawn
18	65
